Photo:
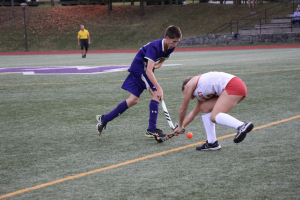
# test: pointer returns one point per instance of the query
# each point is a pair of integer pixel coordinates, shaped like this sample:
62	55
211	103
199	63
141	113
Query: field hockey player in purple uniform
141	77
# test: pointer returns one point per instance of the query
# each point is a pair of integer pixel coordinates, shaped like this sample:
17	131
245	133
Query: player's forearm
159	64
182	113
152	78
188	119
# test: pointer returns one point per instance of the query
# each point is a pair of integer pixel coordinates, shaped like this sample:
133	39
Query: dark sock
115	112
153	107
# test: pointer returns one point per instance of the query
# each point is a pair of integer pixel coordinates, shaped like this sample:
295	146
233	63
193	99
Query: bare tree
12	10
252	4
236	3
142	9
255	3
109	6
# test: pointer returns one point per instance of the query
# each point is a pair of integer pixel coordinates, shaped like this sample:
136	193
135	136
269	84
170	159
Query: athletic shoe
101	124
84	56
156	132
242	132
149	135
209	146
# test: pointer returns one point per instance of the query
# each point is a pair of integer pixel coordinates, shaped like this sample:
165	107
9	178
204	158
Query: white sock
227	120
209	128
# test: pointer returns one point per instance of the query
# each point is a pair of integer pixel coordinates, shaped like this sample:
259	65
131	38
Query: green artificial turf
48	131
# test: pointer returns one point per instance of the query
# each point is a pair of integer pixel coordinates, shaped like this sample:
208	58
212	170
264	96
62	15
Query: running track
224	48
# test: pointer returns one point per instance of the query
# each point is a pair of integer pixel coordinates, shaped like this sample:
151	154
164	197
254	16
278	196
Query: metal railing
258	24
236	24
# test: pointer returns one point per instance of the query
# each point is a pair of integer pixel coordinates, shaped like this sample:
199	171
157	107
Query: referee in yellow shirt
84	40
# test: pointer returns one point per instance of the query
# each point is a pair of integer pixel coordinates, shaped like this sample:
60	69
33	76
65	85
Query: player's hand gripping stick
167	137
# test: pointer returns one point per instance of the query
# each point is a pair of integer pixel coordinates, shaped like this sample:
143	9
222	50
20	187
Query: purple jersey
152	51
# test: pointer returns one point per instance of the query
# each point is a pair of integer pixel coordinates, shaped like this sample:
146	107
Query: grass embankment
56	28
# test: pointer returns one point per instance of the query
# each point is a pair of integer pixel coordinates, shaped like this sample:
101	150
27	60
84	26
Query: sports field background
48	131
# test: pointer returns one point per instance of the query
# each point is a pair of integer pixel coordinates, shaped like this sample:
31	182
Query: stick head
162	139
159	140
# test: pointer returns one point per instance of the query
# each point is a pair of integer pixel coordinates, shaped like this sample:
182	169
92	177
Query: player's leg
223	105
152	130
206	108
117	111
82	46
122	107
131	86
153	108
234	92
86	46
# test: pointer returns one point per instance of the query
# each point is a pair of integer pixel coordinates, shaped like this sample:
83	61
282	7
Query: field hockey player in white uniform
217	93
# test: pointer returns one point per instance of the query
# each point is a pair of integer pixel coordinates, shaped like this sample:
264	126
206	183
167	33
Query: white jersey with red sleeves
211	84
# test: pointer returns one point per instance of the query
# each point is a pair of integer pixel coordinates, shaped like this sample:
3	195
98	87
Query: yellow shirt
83	34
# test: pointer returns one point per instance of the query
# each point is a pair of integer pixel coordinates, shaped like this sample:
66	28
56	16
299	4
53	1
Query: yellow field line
11	73
112	81
132	161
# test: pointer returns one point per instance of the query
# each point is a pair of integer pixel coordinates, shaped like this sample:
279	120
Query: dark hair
185	81
173	32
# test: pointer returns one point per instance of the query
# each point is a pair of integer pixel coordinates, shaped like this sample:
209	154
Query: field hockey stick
163	105
167	137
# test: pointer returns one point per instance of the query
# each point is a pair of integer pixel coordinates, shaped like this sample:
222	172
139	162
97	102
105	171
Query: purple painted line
63	70
15	69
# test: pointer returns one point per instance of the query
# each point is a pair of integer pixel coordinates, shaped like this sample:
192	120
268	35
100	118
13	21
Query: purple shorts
136	84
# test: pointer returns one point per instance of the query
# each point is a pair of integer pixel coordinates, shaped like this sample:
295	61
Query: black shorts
84	43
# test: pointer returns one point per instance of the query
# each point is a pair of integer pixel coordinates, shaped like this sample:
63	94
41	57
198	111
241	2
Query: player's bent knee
156	99
135	101
213	118
132	101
